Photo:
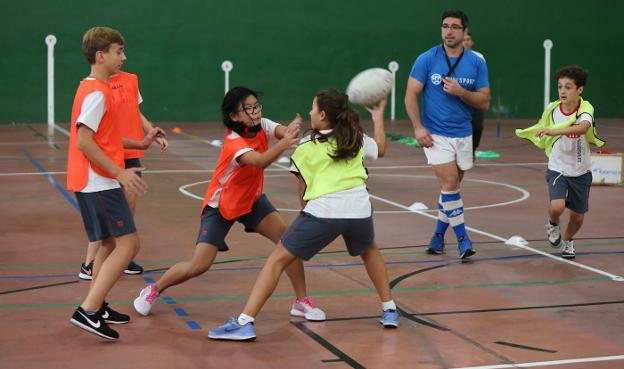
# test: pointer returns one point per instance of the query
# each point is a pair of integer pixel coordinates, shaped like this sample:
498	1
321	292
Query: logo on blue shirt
436	79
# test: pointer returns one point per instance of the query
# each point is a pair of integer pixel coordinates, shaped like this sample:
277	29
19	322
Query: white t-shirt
571	155
91	113
353	203
269	127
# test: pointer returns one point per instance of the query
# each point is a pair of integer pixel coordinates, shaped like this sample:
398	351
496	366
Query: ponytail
345	122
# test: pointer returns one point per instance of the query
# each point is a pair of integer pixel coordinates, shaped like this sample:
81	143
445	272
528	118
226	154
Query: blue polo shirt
444	114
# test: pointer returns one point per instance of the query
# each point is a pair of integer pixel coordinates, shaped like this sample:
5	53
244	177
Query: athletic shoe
390	318
464	247
567	249
307	308
86	271
111	316
93	323
133	268
233	331
436	245
143	304
554	235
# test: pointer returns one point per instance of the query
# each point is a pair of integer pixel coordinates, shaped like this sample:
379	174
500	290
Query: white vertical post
393	67
50	40
227	66
548	44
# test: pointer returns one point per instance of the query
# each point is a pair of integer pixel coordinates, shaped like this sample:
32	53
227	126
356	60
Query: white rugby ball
370	86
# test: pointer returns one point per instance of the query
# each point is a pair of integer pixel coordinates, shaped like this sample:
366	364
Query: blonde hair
99	39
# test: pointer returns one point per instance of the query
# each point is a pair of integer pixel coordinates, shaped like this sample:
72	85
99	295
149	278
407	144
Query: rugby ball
370	86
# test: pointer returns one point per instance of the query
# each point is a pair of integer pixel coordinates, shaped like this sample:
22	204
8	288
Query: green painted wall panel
290	49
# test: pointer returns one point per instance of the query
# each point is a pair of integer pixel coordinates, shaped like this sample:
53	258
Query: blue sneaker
390	318
436	245
464	247
233	331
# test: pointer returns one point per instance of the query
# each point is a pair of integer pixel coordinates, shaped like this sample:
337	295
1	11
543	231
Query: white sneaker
567	251
147	297
554	235
307	308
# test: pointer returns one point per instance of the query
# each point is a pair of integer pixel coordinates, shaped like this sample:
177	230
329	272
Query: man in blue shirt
453	82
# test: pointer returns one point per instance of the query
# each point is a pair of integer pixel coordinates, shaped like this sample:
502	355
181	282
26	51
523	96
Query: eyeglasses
250	109
454	27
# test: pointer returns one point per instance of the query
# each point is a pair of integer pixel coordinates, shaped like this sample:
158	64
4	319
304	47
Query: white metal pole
548	44
227	66
394	67
50	40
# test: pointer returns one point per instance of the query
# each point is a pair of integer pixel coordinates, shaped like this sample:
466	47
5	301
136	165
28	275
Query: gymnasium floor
510	307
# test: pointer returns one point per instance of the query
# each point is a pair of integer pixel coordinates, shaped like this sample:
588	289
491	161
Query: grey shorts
214	227
575	190
105	214
307	235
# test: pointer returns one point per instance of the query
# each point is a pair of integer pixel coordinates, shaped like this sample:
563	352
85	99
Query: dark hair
99	39
344	121
575	73
456	14
232	102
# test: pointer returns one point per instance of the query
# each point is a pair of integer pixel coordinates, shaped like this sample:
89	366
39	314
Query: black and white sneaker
93	323
111	316
554	234
86	271
133	268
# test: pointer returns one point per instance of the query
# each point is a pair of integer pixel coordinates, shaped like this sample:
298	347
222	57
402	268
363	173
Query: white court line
498	238
525	194
164	171
474	230
547	363
62	130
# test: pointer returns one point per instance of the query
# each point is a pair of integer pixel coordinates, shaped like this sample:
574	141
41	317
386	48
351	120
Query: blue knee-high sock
453	207
443	221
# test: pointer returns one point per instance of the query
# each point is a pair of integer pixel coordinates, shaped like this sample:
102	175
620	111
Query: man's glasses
454	27
251	109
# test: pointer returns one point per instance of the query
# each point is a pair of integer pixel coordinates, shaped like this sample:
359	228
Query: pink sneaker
147	297
306	308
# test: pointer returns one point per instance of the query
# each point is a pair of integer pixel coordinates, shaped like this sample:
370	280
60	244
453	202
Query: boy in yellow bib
565	131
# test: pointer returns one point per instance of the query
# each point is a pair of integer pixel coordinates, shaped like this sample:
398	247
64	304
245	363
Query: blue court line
169	300
52	180
429	261
193	325
179	311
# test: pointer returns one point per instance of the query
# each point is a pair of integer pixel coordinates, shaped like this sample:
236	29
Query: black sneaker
86	271
93	323
111	316
133	268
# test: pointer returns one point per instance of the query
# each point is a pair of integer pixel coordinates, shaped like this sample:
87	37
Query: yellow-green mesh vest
546	142
324	175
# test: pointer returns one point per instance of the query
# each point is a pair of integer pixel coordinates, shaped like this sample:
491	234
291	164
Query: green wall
289	49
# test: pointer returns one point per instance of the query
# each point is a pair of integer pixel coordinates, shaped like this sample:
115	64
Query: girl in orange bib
235	194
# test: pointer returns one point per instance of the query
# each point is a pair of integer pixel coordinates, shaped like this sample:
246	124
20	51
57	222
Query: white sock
388	305
244	319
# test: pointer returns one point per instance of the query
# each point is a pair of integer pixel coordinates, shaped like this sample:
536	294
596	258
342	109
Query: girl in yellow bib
329	165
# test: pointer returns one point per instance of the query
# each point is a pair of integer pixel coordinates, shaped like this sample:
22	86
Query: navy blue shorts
214	227
308	235
574	190
133	163
105	214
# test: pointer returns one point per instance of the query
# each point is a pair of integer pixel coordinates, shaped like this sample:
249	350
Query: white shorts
449	149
